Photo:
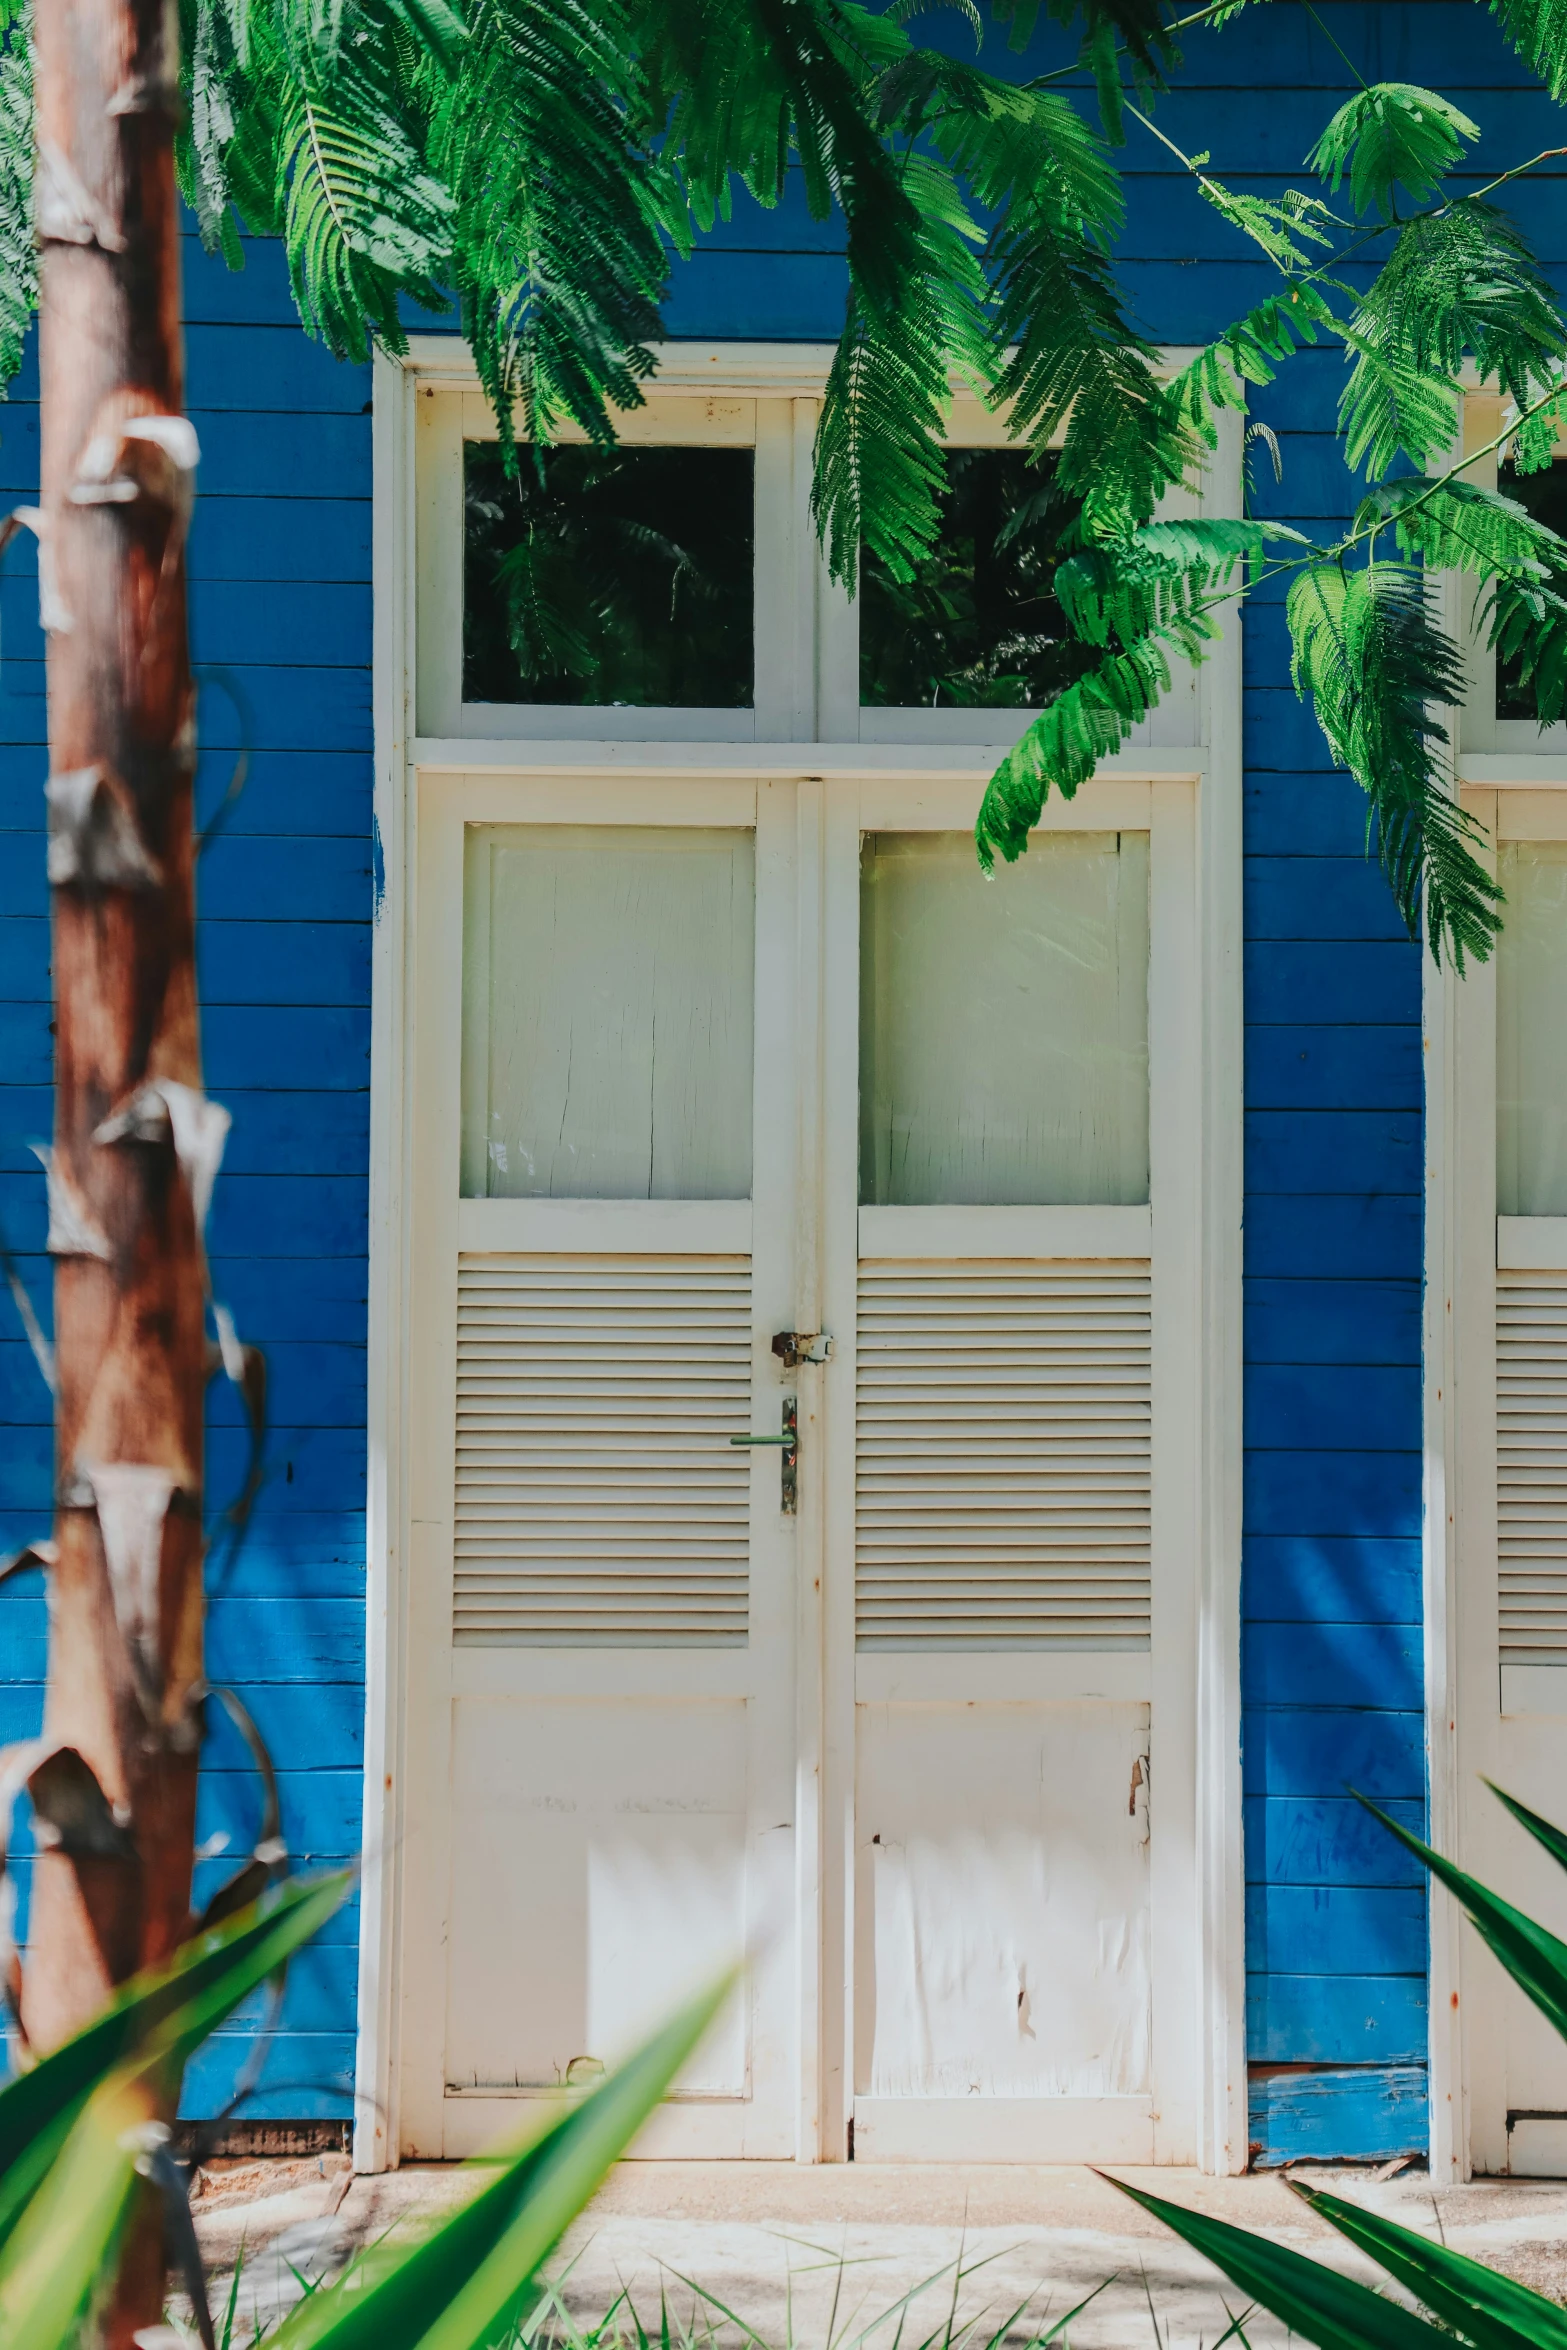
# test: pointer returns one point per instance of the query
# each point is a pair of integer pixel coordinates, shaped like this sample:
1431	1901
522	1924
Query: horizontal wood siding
280	567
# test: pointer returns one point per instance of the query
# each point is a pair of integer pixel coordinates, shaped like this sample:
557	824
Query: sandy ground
829	2255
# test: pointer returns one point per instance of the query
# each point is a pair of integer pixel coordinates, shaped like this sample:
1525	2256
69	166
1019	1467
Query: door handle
788	1456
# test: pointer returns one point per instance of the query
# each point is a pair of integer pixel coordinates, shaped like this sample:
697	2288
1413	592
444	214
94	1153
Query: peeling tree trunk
134	1142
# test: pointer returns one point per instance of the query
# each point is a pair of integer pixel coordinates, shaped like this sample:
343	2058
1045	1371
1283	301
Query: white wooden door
601	1720
1510	1341
1009	1495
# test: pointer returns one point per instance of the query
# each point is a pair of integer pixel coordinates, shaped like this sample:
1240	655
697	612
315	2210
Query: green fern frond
1392	135
363	218
733	83
1090	721
1455	525
879	467
558	256
1155	581
18	245
1526	625
1277	224
1368	651
1537	29
1249	352
1064	352
1459	284
1533	445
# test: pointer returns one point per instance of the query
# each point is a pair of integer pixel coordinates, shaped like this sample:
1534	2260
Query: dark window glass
1545	496
608	576
978	625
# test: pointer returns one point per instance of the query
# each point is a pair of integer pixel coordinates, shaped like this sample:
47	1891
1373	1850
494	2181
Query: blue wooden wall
1336	1930
280	560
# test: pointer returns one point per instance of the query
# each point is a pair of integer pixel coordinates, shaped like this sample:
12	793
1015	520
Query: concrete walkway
819	2256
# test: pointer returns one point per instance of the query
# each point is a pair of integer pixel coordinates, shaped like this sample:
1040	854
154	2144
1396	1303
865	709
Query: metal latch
788	1456
793	1347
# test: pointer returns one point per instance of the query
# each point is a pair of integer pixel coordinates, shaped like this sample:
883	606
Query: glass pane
978	625
1531	1030
1004	1022
607	1000
1545	496
606	576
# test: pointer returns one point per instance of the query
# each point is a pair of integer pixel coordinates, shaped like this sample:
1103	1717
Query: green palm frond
559	259
18	247
1368	651
1459	284
1391	135
879	469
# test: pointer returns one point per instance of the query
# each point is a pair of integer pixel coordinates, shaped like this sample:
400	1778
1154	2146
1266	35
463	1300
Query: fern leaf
1392	135
879	467
1088	722
1249	352
18	246
1459	284
1155	581
1457	526
558	256
1064	352
1537	29
1374	661
1277	224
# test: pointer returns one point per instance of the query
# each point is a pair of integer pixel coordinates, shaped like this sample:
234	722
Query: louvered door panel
599	1502
1003	1462
1531	1466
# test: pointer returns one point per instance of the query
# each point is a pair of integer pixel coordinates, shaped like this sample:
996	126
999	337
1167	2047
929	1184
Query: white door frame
1208	2124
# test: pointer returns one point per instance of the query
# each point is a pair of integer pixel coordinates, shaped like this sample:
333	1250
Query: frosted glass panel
1004	1022
607	1012
1531	1031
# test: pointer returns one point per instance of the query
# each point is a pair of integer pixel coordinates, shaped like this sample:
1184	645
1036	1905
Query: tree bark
115	1789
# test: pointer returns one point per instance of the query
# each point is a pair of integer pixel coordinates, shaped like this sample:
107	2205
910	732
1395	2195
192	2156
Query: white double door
709	1073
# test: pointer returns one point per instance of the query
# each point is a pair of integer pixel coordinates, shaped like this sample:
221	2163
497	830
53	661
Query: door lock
788	1456
793	1347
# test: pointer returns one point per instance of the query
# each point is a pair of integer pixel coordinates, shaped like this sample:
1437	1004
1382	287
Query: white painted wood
607	1041
1531	1243
1080	1232
600	1498
1534	1689
1004	1021
1531	1467
658	763
1537	2146
1216	2083
1546	770
376	2063
1540	813
1003	1870
1002	2129
1015	1677
1003	1456
802	2035
688	1227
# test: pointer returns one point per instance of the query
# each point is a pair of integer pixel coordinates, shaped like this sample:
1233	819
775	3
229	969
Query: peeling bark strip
112	1887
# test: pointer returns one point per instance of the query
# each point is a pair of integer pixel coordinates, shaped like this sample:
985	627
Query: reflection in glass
1004	1022
1544	494
607	1012
1531	1030
978	625
608	576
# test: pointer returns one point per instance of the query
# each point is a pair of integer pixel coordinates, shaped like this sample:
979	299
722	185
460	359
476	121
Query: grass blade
1552	1838
460	2284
